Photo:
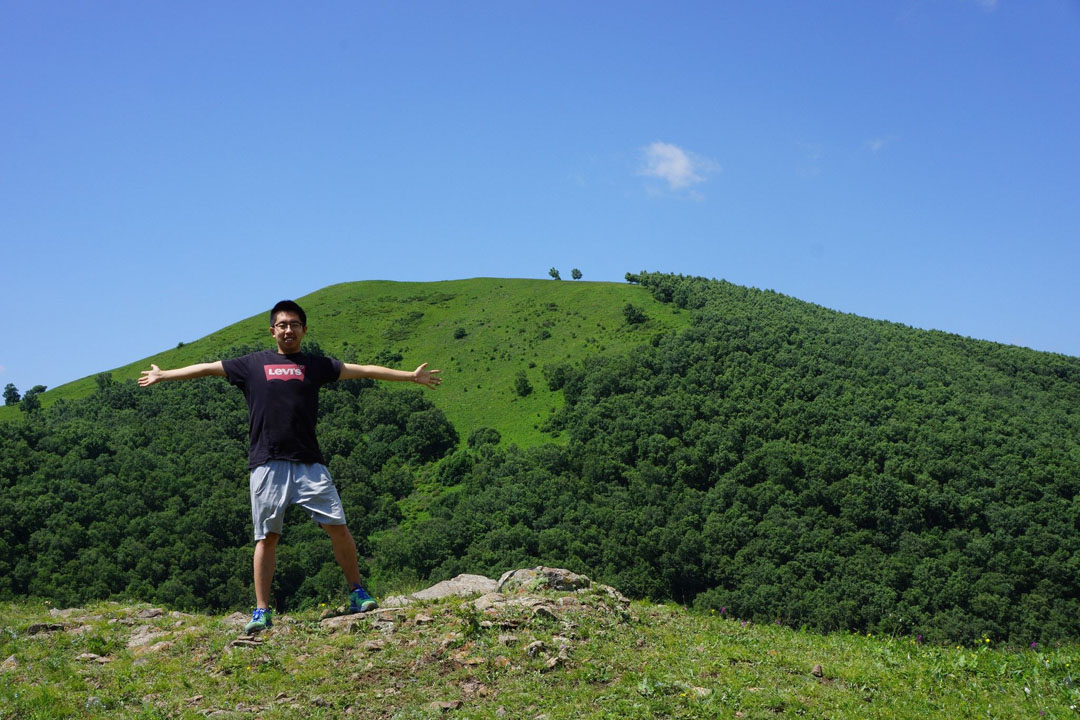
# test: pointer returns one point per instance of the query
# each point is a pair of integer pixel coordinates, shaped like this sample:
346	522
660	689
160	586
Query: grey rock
65	613
542	578
43	628
445	705
543	612
343	623
488	601
246	641
462	585
93	657
144	636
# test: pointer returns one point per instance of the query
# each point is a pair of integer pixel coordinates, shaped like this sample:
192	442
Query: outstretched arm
427	378
156	374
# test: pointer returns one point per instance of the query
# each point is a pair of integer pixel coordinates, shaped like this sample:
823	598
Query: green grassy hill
733	448
509	326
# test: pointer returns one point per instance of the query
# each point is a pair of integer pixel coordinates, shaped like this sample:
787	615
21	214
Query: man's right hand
198	370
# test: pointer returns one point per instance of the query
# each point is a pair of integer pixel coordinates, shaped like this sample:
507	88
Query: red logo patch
284	372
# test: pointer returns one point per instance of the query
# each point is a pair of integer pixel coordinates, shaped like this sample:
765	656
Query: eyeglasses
294	325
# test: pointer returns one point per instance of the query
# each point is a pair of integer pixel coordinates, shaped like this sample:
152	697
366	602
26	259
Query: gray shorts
281	483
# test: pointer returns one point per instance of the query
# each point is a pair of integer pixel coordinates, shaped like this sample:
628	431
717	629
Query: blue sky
167	169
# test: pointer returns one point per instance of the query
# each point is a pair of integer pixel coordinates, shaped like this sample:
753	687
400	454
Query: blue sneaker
360	601
261	619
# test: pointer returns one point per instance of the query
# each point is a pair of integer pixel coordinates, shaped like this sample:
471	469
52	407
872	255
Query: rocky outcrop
528	594
463	585
532	615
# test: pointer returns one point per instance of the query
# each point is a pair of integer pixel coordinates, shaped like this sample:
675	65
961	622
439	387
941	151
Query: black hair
288	306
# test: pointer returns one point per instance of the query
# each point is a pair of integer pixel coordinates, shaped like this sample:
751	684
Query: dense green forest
789	463
774	460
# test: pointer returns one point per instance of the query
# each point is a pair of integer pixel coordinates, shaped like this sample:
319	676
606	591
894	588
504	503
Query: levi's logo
284	372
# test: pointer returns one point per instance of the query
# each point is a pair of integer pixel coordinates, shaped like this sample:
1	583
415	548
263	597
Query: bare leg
265	559
344	552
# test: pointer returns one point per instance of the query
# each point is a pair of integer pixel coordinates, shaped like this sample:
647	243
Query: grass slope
509	326
446	659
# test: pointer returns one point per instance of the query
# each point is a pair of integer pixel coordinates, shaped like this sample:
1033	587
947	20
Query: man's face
288	332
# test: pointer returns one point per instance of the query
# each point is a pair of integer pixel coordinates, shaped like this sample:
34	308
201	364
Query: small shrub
482	436
633	314
522	386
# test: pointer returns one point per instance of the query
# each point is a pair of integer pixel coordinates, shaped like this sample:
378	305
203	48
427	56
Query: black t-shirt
282	393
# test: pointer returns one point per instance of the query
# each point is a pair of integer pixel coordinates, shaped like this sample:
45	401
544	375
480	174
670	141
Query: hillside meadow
480	333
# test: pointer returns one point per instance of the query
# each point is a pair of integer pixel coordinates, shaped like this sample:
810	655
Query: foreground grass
448	659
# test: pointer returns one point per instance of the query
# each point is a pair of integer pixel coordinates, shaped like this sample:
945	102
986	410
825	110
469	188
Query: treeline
777	460
142	493
789	463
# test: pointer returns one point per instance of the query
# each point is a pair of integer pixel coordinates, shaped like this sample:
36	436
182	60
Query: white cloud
878	144
679	168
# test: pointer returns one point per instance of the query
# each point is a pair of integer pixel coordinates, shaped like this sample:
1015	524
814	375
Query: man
287	467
